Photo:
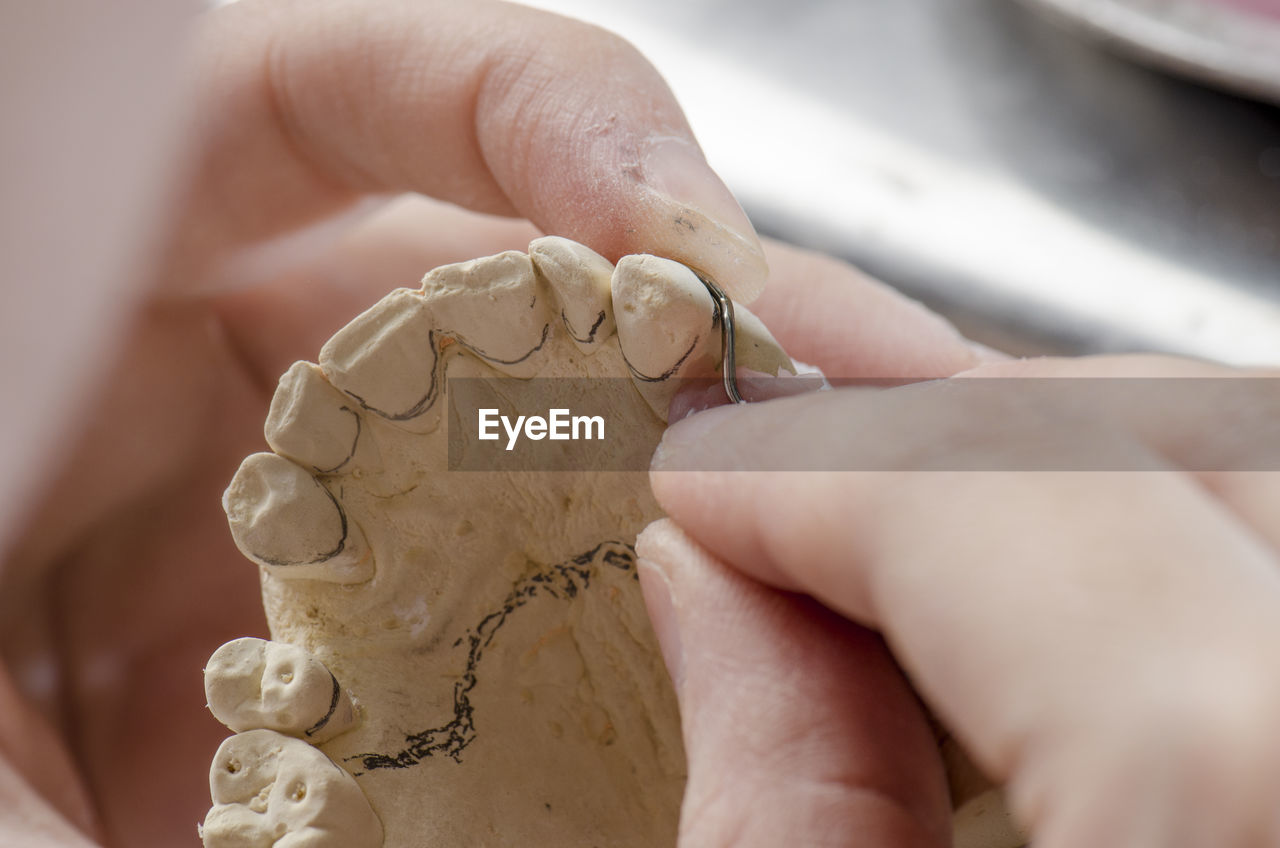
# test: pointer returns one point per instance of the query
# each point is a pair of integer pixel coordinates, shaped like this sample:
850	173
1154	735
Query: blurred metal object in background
1043	192
1232	43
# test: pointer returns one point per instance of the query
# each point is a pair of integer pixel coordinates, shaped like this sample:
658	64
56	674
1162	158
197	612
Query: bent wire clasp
724	313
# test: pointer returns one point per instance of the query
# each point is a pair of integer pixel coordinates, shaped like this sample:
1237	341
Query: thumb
799	728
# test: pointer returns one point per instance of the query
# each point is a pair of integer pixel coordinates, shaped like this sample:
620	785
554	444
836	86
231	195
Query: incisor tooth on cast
495	307
666	326
273	790
283	518
252	683
311	422
580	277
387	359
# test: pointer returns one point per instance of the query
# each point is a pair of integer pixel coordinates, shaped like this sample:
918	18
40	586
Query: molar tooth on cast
311	422
274	791
253	684
284	519
580	277
387	359
496	307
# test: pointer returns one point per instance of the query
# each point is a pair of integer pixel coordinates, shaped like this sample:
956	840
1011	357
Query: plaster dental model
462	658
469	650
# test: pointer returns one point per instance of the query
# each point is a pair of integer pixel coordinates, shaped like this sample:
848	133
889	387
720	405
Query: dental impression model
463	658
460	658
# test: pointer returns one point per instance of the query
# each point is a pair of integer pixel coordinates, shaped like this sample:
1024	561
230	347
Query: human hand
1102	638
125	578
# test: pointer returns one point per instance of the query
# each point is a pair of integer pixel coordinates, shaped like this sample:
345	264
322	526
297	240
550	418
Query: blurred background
1057	176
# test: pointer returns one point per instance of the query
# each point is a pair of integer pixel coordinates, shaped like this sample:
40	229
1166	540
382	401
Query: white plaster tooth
313	423
283	519
253	684
754	346
580	277
666	326
985	822
388	360
273	790
496	307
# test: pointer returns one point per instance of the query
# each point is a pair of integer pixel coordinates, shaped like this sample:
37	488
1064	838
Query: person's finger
827	313
30	820
38	775
1083	632
305	106
1220	423
798	727
89	104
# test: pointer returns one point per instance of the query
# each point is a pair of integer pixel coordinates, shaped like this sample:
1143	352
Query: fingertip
798	727
654	564
683	446
695	219
489	105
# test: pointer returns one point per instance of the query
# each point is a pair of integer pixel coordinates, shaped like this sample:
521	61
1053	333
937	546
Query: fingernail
662	613
694	397
707	225
685	444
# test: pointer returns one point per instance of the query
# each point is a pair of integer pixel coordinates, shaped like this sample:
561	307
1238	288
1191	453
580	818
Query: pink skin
1080	632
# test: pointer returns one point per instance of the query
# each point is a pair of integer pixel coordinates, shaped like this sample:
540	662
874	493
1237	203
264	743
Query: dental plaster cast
489	624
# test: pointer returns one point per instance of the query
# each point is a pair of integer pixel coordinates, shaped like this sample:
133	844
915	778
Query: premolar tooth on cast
283	518
666	326
387	359
311	422
580	277
494	306
253	684
273	790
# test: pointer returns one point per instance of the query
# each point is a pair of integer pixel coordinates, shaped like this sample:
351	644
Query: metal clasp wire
724	312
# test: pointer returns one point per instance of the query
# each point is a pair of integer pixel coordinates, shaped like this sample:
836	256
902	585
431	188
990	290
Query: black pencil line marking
342	542
561	581
355	441
665	375
333	707
546	332
591	334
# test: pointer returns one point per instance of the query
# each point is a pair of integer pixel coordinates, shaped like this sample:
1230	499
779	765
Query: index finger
827	313
305	106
